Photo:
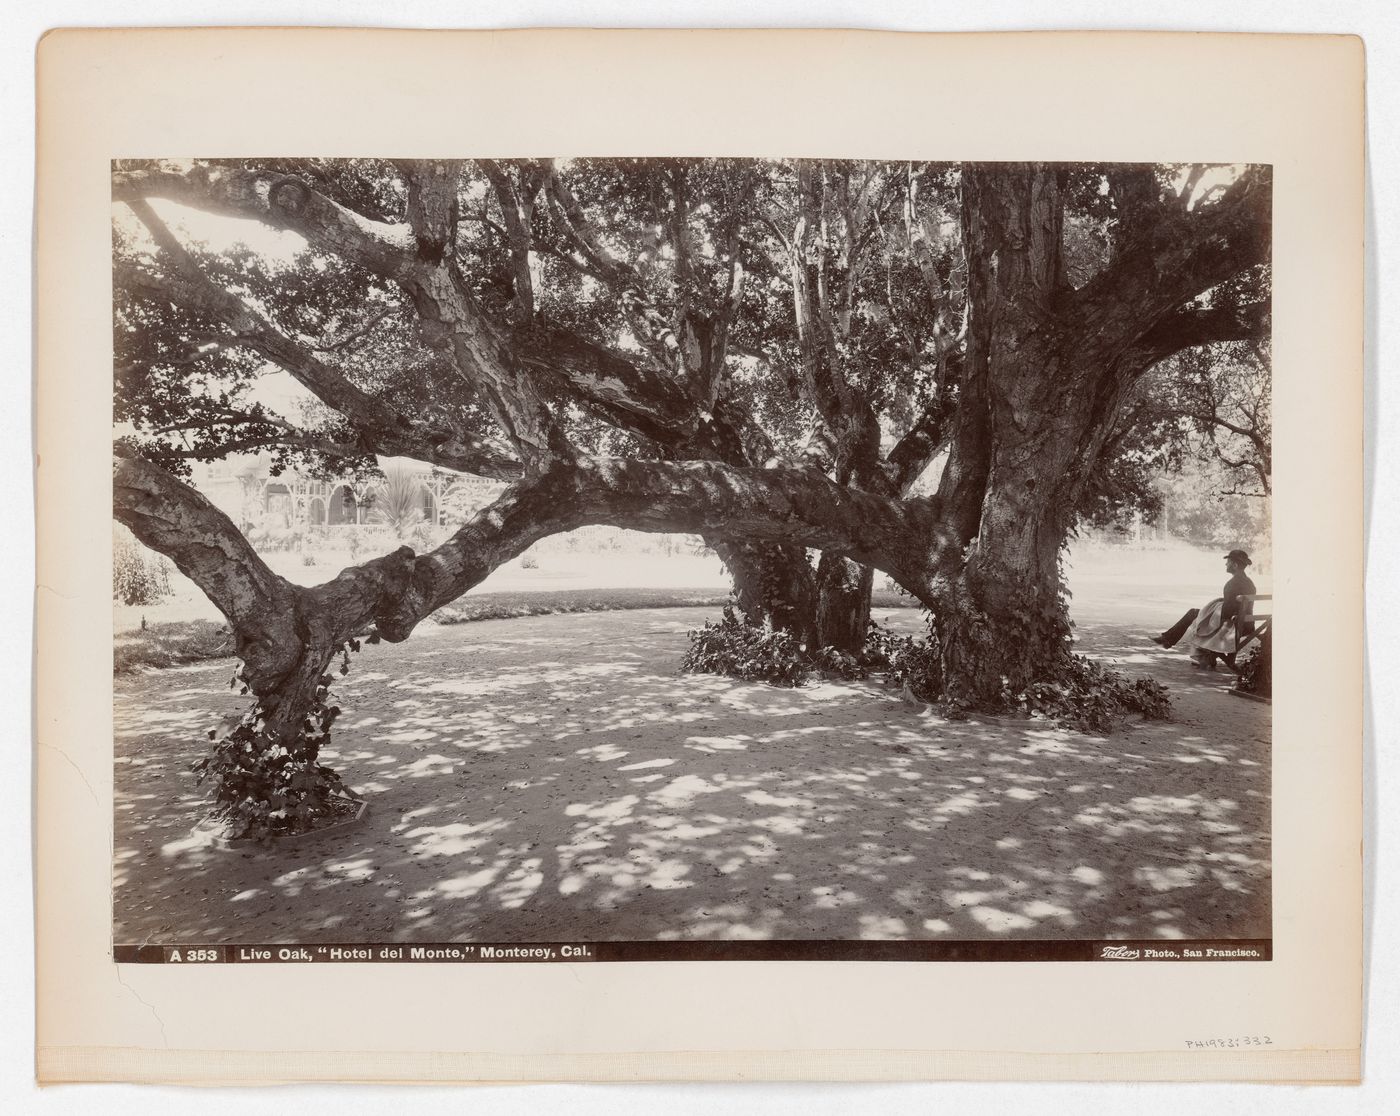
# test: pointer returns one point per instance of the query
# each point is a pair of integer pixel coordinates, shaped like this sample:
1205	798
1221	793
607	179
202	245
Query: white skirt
1210	632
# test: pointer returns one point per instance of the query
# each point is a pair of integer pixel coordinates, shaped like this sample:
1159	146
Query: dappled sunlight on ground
554	778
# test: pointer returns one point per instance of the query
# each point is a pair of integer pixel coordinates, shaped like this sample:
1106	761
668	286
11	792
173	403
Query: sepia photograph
692	558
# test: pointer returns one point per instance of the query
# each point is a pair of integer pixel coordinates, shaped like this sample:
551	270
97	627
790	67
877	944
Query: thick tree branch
921	443
1175	257
646	324
1195	325
1134	190
1224	424
415	255
454	321
574	223
432	205
825	263
778	505
640	399
517	211
383	429
285	434
452	317
272	619
284	202
174	519
351	336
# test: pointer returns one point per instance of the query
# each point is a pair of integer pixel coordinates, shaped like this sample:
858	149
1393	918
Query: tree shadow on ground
556	779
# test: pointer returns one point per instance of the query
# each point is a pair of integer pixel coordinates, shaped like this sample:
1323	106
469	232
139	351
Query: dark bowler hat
1238	556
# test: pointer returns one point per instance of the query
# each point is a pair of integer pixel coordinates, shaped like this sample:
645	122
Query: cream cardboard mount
118	99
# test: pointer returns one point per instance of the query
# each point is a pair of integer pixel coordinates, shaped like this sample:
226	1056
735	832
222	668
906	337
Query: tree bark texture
773	584
843	607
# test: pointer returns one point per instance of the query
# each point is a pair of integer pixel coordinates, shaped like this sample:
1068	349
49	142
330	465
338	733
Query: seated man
1210	630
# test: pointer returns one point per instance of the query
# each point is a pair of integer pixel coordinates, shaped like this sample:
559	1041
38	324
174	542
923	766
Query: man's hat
1238	556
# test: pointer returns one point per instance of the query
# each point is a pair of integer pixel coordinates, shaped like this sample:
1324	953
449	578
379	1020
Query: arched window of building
343	507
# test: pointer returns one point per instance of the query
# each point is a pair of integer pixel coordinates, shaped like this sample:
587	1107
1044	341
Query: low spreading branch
384	429
283	202
781	505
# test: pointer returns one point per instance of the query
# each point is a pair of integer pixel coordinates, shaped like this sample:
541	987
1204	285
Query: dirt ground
555	779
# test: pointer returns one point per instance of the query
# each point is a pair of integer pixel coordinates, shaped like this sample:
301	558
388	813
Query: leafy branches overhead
1224	392
198	333
825	301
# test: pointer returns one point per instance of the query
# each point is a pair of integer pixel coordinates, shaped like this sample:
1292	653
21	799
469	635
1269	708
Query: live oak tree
767	354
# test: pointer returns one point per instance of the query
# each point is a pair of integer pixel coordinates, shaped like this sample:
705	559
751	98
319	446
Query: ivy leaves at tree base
264	787
1080	694
742	649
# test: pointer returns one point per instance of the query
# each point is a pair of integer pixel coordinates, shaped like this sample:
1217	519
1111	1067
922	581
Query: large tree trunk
773	583
776	584
1046	370
1018	456
843	603
1002	624
1001	617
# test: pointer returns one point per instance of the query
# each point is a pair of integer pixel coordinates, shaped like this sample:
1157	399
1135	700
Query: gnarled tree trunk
843	604
772	584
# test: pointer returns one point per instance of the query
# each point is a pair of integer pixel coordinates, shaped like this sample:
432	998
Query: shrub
137	578
1091	698
1085	696
836	663
264	790
908	663
1257	669
742	649
171	644
756	652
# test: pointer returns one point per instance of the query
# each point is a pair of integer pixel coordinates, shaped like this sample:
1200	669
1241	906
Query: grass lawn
178	642
174	643
504	606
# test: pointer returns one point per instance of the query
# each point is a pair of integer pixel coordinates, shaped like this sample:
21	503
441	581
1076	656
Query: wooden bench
1252	620
1261	620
